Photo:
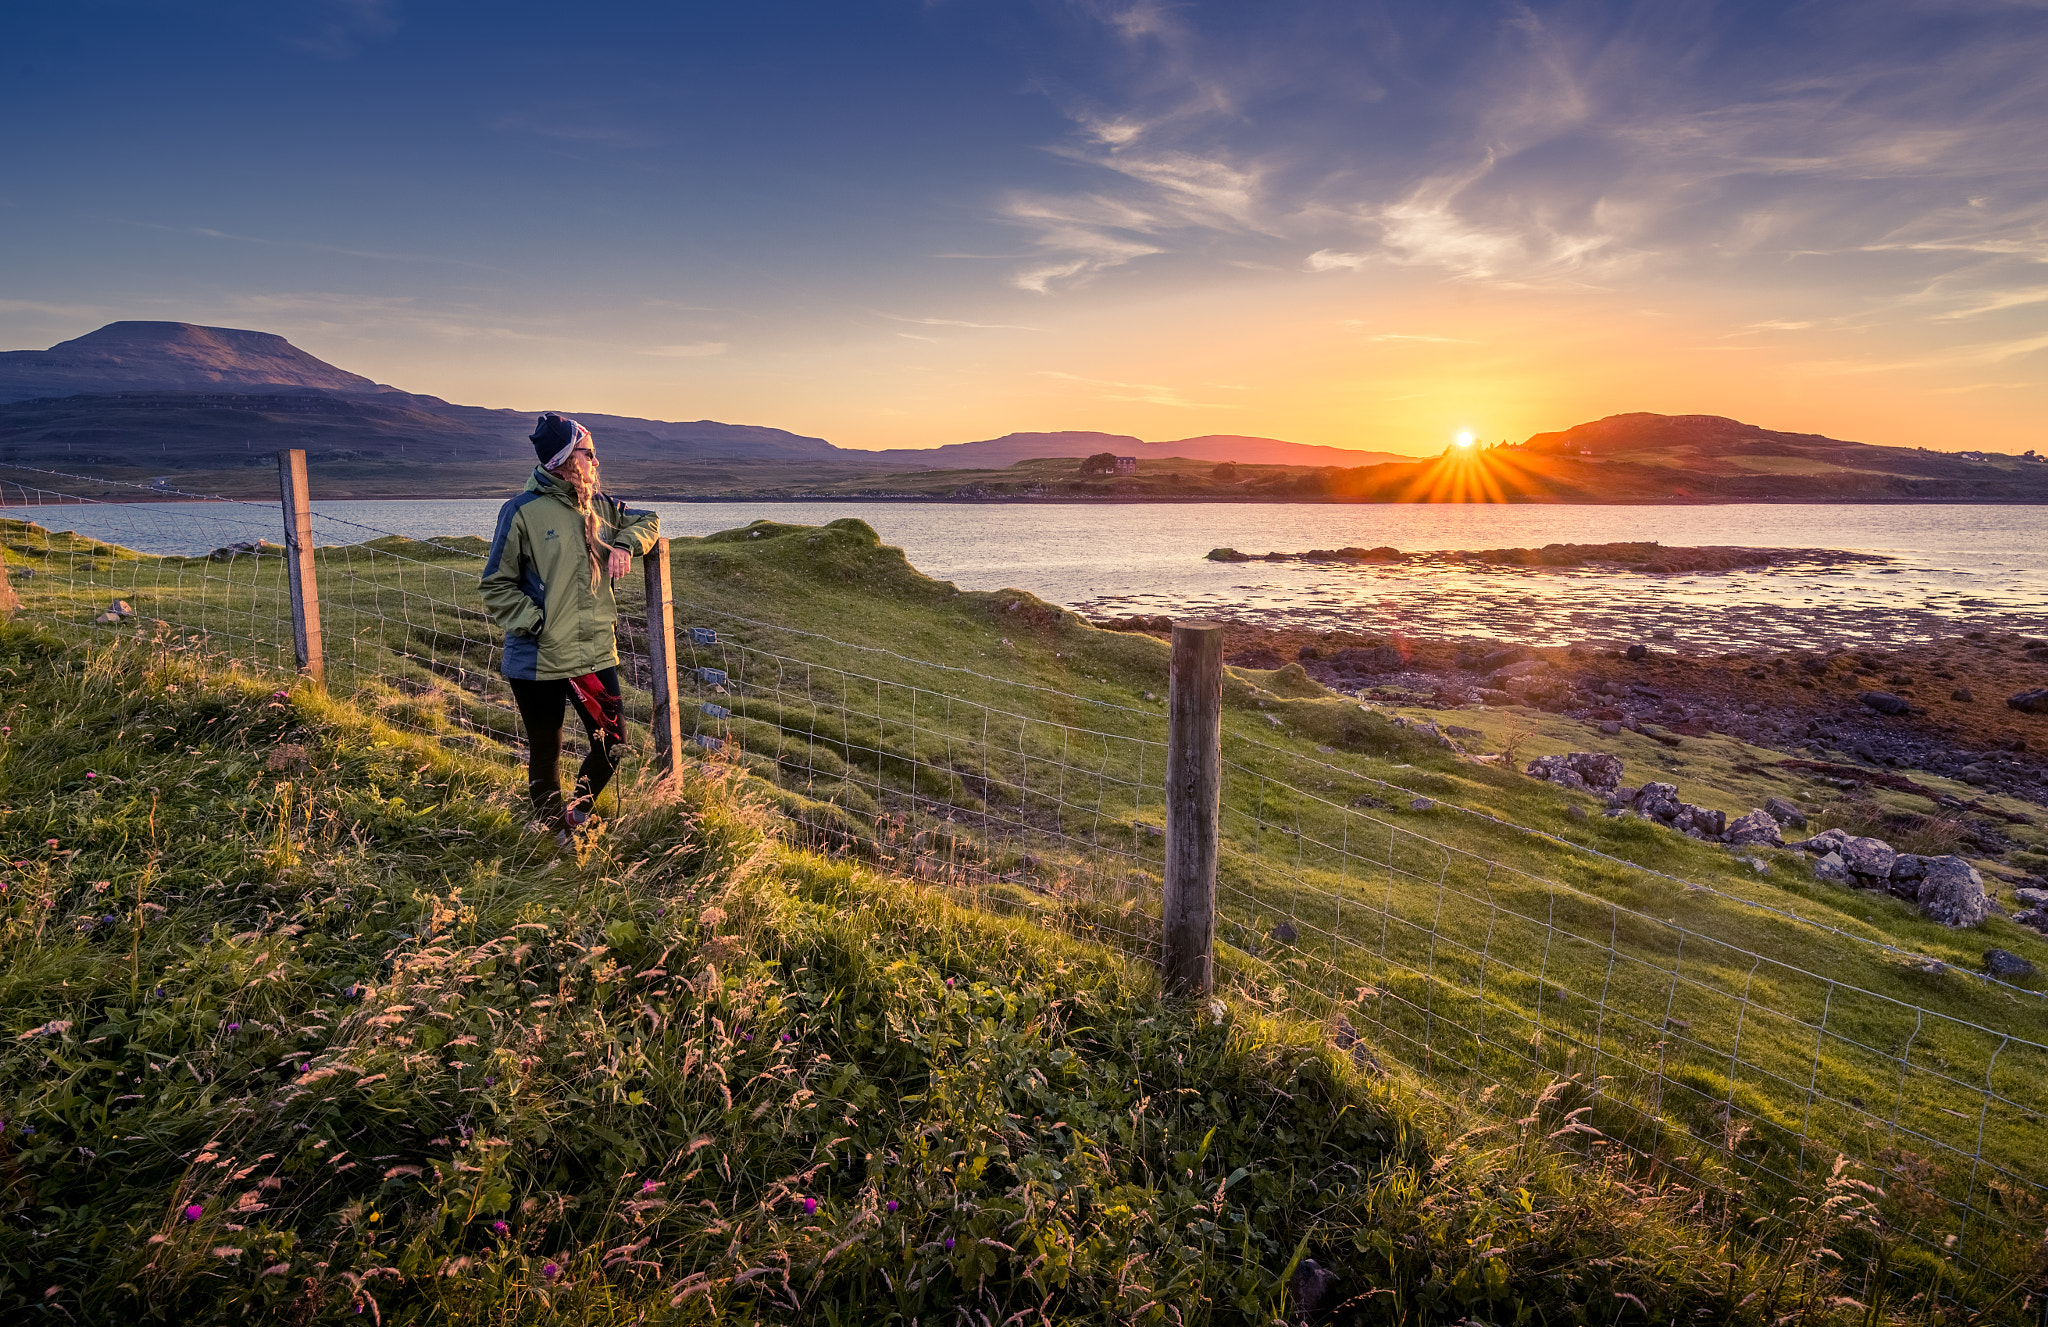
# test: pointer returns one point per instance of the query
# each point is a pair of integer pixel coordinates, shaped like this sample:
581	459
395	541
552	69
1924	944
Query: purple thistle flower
490	1082
234	1027
500	1228
787	1038
810	1207
549	1271
949	1243
649	1186
194	1212
892	1204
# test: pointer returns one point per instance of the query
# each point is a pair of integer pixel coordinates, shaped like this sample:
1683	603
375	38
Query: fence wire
1738	1070
1051	805
1738	1060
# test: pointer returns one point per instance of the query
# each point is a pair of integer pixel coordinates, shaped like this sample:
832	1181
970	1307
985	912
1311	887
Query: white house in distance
1127	465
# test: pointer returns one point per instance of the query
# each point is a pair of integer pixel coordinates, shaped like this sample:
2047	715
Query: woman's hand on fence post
621	562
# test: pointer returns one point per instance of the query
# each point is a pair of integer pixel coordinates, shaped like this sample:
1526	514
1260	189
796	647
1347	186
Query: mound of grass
302	1023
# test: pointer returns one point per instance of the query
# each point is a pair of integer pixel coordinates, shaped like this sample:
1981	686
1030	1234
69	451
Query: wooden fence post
1194	797
298	561
661	660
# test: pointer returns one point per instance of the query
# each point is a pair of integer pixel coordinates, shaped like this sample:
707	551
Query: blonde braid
586	506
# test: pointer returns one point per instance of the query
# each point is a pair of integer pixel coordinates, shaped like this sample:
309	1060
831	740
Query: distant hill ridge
125	358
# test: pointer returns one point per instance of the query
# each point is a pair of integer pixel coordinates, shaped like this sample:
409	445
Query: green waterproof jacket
537	582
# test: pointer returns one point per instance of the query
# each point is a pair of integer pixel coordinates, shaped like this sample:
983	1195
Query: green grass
1504	953
302	1025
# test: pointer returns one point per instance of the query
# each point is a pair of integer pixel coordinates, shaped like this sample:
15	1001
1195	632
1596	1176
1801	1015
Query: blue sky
894	223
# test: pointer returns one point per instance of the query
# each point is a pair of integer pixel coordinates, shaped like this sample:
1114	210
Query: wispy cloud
341	29
314	246
954	322
691	350
1144	392
1584	148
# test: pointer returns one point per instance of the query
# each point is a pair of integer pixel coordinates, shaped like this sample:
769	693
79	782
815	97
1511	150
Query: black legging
541	710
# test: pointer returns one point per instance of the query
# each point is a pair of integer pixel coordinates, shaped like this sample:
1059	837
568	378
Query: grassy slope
303	1024
1742	1059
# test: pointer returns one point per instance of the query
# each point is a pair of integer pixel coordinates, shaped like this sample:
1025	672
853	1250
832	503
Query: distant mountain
142	356
249	388
993	453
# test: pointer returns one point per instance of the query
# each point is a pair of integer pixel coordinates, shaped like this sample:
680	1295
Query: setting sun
1464	440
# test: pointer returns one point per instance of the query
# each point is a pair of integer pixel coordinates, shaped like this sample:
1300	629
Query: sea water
1952	568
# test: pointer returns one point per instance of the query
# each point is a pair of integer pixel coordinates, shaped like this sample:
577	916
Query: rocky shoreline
1648	557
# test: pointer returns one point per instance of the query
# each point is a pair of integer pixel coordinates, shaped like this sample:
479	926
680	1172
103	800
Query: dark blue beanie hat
554	437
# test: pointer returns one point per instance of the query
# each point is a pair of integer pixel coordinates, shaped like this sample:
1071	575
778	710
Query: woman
548	584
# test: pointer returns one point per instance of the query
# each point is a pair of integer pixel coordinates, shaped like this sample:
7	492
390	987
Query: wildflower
649	1186
50	843
500	1228
787	1038
490	1082
892	1204
280	695
810	1207
110	919
549	1271
234	1027
949	983
90	775
949	1243
28	1128
194	1212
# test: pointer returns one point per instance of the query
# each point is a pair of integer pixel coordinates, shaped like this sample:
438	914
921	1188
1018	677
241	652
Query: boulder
1500	677
1885	702
1228	555
1591	771
1699	821
1379	659
1623	796
1758	827
1785	813
1832	869
1658	801
1870	858
1952	893
2030	702
2031	898
1828	840
2034	919
1961	693
2005	963
1638	652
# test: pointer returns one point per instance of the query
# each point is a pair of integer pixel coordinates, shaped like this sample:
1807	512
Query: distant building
1127	465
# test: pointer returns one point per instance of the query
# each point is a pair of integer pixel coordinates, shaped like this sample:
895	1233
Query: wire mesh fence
1740	1067
1739	1057
1043	802
404	631
221	597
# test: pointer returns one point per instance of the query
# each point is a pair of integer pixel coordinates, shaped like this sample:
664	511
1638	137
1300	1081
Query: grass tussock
302	1024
